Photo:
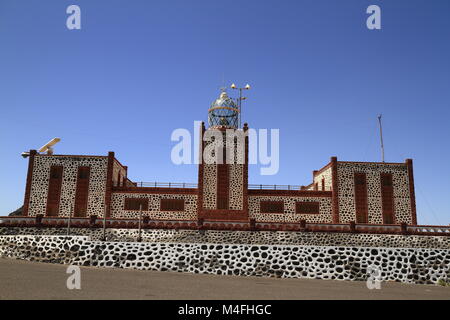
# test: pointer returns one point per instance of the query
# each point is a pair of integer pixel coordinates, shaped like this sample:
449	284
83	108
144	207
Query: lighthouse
223	181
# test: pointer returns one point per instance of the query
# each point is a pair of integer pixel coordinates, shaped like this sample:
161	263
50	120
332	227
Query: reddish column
412	194
335	190
26	201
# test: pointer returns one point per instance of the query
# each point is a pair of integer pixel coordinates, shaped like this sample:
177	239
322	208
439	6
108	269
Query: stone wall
286	261
247	237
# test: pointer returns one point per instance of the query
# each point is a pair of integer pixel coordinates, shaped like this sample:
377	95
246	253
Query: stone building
341	191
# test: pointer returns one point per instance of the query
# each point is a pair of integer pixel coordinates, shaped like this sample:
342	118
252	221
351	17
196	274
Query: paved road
32	280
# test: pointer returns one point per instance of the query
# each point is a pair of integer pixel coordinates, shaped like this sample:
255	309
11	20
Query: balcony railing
195	185
165	185
273	187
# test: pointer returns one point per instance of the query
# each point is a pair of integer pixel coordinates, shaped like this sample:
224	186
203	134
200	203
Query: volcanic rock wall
410	265
247	237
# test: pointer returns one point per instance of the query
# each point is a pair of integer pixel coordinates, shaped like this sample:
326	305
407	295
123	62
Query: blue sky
137	70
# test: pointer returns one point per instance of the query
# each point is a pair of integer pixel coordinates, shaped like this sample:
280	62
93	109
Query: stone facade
209	186
401	191
97	185
40	183
109	185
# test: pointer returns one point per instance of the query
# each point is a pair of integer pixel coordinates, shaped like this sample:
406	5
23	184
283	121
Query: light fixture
239	100
25	155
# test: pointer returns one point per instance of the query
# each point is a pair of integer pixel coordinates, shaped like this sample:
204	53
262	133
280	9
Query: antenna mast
381	137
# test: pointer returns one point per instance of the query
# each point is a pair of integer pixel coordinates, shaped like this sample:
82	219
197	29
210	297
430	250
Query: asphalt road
32	280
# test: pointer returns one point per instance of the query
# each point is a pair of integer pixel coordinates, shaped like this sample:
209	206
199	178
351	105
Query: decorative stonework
40	182
247	237
289	214
236	186
327	262
209	186
399	173
154	212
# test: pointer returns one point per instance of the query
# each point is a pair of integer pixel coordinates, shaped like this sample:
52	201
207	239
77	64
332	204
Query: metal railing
273	187
316	227
165	185
195	185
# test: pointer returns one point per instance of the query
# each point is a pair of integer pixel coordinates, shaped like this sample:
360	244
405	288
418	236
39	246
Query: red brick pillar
26	201
109	184
412	195
335	190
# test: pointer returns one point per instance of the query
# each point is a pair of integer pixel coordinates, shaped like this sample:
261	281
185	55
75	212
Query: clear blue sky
139	69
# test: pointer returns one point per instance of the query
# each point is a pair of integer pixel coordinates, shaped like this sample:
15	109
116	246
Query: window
304	207
172	205
55	172
222	203
83	172
82	192
135	204
386	179
360	179
361	205
54	190
387	198
271	207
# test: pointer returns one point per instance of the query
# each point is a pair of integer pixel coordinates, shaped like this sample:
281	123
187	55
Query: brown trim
54	191
412	194
70	156
387	198
245	177
226	215
151	190
267	206
388	163
82	192
290	193
26	201
227	224
223	185
200	172
311	204
170	205
360	199
128	203
335	189
109	183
